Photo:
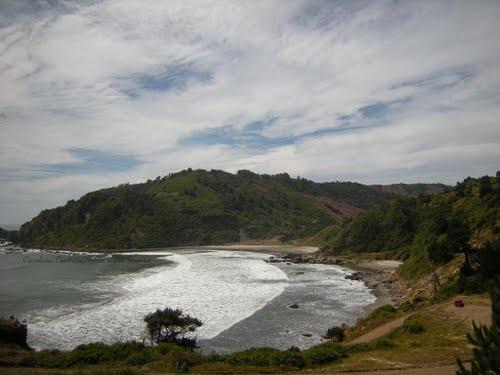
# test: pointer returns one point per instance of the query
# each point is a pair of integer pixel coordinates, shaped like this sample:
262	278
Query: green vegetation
377	317
171	326
13	332
335	334
186	208
413	325
174	358
476	275
426	231
198	207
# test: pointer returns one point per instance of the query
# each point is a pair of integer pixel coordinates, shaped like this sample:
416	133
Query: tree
486	342
484	186
335	334
440	249
171	326
489	259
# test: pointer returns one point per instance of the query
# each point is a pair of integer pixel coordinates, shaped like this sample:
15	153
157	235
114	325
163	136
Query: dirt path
380	331
477	308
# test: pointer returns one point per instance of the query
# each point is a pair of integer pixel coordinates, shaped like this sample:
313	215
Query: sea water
68	299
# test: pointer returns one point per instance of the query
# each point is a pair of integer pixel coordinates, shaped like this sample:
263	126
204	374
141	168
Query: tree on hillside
484	186
171	326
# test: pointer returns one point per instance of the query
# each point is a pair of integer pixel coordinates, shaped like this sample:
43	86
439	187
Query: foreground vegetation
175	358
430	335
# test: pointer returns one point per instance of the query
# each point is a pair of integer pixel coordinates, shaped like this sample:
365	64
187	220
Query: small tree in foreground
171	326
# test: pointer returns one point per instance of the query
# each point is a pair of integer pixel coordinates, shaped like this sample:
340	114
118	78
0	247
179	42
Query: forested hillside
359	195
428	229
201	207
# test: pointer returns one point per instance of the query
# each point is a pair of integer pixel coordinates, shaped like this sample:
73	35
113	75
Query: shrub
164	348
323	353
419	299
287	359
412	325
171	326
385	311
98	353
291	358
182	361
138	359
380	344
336	334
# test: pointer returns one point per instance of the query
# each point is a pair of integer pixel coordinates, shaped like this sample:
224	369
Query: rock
353	276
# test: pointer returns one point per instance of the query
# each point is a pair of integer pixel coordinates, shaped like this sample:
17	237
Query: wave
219	287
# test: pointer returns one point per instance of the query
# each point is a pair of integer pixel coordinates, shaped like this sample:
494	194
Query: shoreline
377	275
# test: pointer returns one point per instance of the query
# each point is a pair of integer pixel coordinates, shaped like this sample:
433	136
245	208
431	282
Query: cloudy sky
96	93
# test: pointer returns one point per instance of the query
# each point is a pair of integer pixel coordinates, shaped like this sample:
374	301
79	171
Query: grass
441	337
377	317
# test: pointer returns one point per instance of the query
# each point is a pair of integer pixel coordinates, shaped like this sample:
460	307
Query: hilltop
198	207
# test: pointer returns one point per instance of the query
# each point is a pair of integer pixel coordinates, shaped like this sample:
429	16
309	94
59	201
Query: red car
459	302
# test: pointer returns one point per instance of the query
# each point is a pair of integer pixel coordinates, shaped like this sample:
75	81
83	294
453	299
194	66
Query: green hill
185	208
199	208
428	229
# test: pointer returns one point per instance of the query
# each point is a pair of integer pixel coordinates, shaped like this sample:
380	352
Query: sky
98	93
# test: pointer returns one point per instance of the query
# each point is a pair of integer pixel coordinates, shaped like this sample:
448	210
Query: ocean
68	298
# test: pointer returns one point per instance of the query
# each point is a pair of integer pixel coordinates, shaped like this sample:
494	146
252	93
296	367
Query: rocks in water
293	306
353	276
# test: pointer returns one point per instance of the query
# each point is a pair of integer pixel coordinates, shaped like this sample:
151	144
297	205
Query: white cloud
75	75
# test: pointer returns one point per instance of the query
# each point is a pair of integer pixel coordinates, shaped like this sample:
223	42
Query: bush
99	353
182	361
288	359
138	359
412	325
172	326
165	348
323	353
385	311
336	334
380	344
291	358
255	357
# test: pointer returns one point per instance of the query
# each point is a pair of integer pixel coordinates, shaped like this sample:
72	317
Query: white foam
212	286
